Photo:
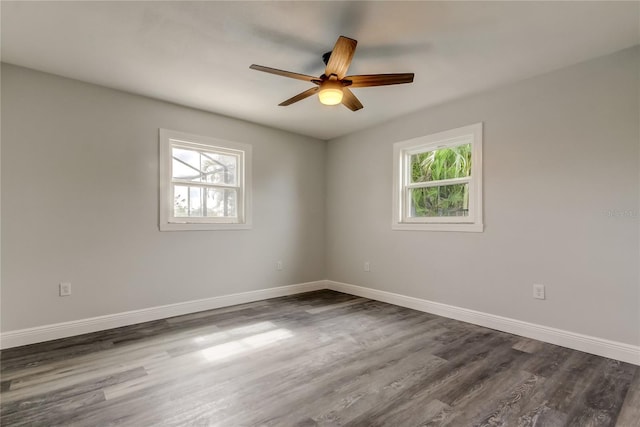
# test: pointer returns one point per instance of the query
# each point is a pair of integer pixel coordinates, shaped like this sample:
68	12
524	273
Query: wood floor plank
559	391
528	345
542	415
431	382
50	414
325	369
548	358
603	399
425	412
322	309
507	408
282	375
317	359
630	411
50	384
211	314
569	383
40	407
307	356
353	388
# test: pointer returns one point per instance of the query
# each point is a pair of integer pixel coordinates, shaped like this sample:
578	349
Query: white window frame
402	152
168	222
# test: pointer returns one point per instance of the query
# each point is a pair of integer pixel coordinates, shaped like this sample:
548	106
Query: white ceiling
198	53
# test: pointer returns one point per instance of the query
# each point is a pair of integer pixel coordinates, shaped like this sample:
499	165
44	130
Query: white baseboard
94	324
598	346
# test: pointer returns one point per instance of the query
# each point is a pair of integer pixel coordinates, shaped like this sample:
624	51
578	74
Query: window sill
202	226
472	228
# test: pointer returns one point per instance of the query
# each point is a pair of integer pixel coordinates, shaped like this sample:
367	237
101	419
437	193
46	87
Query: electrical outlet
538	291
65	289
367	266
279	265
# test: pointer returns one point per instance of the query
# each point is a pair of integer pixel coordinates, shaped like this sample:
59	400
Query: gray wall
560	152
80	204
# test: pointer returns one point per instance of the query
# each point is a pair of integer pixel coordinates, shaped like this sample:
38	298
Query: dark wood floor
321	358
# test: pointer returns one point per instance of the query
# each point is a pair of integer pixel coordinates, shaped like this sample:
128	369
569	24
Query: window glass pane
204	166
182	171
195	201
180	201
443	200
190	202
187	201
219	168
186	164
221	202
444	163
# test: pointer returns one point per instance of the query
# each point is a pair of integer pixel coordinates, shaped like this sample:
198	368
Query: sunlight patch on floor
233	333
253	342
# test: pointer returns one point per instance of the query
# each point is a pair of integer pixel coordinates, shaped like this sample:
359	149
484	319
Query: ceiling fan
333	86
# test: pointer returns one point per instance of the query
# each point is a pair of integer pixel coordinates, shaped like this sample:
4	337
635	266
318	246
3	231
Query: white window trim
166	201
401	152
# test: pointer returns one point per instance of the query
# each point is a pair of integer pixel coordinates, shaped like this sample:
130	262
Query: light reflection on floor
243	330
253	342
259	335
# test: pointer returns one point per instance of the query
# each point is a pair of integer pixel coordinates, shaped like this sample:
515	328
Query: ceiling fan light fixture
330	93
330	96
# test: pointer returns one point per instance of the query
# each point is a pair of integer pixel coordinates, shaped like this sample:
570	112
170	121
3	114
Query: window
438	181
205	183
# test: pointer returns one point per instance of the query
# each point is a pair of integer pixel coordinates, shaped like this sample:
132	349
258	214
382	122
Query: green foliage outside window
436	165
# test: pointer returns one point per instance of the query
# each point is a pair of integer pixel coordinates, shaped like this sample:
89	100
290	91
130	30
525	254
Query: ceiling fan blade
341	57
350	101
285	73
299	97
379	79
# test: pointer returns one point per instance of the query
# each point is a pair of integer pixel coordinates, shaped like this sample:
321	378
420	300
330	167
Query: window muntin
204	183
437	181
